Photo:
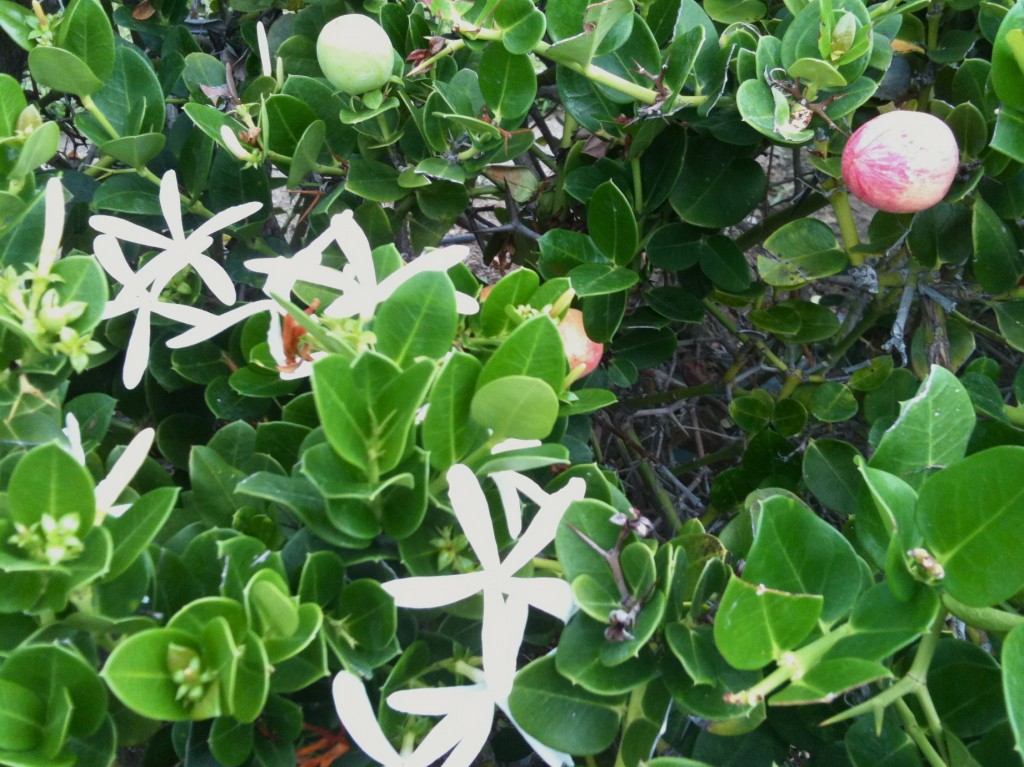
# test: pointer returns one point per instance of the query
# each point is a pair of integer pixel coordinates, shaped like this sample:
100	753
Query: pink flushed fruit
579	349
901	162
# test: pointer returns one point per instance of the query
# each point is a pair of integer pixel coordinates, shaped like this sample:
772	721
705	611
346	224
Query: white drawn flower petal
509	495
171	206
501	635
466	304
552	757
477	722
440	260
356	715
216	278
543	526
510	444
215	324
434	591
356	248
74	436
436	701
552	595
129	232
111	257
227	218
123	470
136	357
471	509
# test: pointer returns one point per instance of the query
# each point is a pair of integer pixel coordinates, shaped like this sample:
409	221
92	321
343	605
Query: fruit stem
847	225
648	96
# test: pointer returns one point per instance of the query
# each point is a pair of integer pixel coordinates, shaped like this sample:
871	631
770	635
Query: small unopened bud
927	563
28	120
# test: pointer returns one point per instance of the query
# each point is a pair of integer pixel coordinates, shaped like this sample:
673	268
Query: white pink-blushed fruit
355	54
901	162
579	349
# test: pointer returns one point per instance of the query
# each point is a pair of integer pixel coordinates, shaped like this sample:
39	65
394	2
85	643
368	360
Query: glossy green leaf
507	82
1013	682
63	71
969	513
881	624
374	180
542	700
997	261
601	279
136	672
932	429
831	474
516	406
801	251
796	551
533	349
448	432
756	625
833	402
48	481
134	531
1007	55
418	320
612	224
522	25
579	659
715	188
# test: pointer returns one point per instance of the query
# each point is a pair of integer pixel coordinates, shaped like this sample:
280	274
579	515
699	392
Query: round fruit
355	54
901	162
579	349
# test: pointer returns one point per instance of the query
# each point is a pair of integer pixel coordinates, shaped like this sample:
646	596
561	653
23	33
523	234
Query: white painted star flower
507	598
121	473
139	294
179	250
360	722
473	705
366	293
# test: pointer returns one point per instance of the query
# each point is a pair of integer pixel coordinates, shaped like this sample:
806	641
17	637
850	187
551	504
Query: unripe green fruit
355	54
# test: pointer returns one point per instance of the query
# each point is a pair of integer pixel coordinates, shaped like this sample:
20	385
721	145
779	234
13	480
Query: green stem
986	618
638	187
596	74
761	346
915	732
453	46
634	711
101	118
977	327
193	205
847	226
650	478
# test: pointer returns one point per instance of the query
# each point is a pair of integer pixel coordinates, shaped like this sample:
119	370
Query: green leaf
579	658
601	279
881	624
800	252
39	147
970	514
284	120
724	264
307	152
367	407
22	718
1008	59
134	531
448	431
49	481
716	188
516	406
1010	316
1013	682
997	261
542	701
532	349
796	551
507	82
831	475
374	180
367	614
932	429
833	402
136	672
63	71
756	625
612	224
230	741
213	486
86	32
522	25
418	320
